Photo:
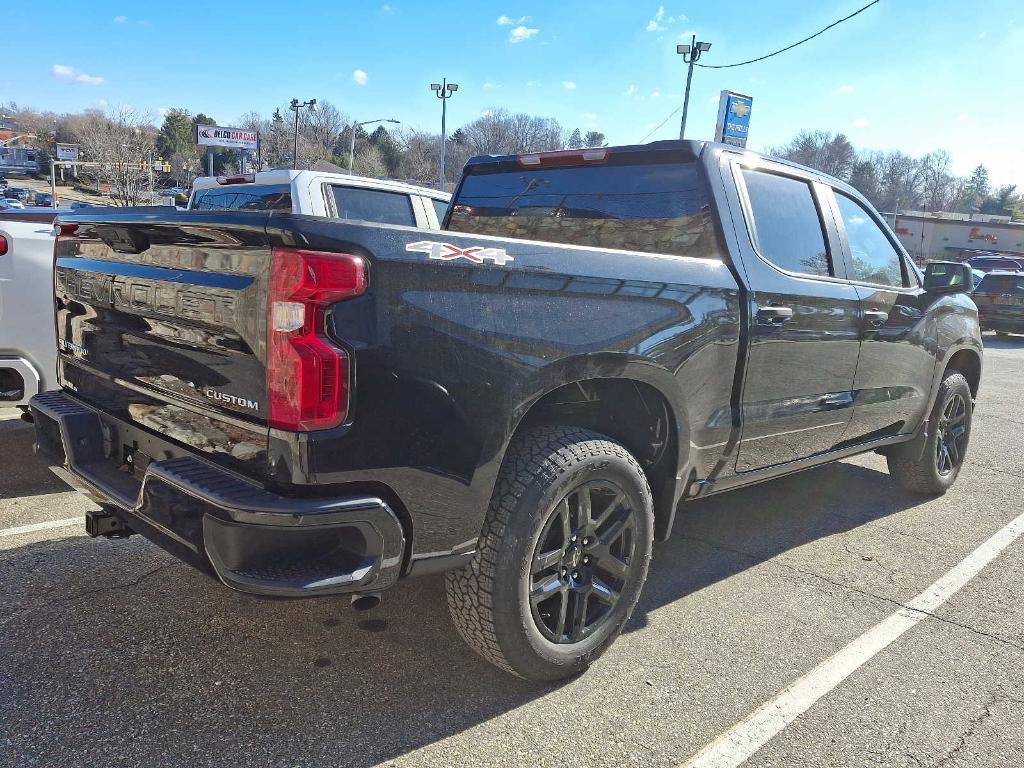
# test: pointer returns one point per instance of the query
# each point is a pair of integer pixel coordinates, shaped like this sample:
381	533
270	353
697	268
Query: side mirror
948	277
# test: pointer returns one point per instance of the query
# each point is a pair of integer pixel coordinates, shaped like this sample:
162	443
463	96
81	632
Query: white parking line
746	737
40	526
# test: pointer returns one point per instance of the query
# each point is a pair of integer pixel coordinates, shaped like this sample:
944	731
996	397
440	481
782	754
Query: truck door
803	328
897	353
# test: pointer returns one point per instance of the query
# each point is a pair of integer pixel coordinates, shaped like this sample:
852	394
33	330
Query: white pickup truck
27	341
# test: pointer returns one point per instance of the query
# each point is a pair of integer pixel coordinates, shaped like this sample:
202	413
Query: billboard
67	152
235	138
733	118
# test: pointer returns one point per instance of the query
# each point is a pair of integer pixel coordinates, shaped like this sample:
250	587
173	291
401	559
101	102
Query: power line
655	130
794	45
759	58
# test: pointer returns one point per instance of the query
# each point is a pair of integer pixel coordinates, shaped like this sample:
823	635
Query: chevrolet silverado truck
301	406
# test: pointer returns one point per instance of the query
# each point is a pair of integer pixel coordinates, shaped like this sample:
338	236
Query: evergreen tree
575	140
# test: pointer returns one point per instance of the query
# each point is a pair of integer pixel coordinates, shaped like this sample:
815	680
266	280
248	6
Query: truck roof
289	176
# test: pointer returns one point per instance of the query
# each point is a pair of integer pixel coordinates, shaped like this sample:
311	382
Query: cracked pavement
115	654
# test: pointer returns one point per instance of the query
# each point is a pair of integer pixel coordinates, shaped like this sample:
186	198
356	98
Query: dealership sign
733	118
67	152
235	138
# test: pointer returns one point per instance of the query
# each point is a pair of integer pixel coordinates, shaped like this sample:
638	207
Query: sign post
733	124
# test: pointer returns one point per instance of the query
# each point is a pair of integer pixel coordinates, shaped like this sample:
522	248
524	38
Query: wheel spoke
618	526
546	560
562	610
584	505
578	620
608	563
546	588
562	510
606	513
604	593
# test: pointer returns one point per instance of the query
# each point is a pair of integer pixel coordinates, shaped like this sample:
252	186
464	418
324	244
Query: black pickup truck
523	399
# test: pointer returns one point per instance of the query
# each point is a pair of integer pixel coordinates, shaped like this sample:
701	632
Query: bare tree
123	143
822	151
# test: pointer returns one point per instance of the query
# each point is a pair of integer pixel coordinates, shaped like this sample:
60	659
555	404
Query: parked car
8	204
320	407
75	205
1001	263
1000	300
43	199
18	193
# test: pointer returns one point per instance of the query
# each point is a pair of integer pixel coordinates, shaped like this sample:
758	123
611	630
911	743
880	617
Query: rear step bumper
254	540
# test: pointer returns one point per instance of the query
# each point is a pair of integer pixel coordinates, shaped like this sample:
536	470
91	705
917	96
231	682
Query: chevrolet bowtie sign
733	122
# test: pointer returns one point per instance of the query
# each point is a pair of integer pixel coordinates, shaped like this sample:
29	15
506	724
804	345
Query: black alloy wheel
952	435
581	561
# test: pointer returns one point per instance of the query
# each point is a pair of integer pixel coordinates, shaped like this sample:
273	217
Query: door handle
773	315
875	317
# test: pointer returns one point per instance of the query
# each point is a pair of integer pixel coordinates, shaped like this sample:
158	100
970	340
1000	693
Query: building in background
957	236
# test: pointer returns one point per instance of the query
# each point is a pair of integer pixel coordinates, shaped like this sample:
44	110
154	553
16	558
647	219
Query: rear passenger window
373	205
787	224
440	208
873	256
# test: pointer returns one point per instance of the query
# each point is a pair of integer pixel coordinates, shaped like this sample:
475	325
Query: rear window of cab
243	197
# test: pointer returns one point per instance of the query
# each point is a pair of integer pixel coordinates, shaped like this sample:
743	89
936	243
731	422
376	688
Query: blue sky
907	74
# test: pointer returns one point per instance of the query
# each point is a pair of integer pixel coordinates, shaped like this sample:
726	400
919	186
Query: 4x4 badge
449	252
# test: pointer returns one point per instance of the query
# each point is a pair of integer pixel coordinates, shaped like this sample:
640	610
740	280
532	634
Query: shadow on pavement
116	654
23	473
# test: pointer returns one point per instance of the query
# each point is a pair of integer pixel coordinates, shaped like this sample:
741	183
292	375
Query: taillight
307	374
3	245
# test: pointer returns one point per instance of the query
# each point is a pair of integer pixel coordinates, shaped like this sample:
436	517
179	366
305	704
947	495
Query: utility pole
691	53
295	106
443	91
352	144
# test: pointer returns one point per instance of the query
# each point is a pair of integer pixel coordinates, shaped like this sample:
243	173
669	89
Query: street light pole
691	53
352	144
443	91
295	106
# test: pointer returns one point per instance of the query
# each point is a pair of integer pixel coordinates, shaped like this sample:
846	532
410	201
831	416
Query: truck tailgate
161	322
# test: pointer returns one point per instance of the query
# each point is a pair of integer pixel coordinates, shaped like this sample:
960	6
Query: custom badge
449	252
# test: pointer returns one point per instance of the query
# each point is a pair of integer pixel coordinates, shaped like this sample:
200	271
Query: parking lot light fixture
295	106
444	91
352	144
690	53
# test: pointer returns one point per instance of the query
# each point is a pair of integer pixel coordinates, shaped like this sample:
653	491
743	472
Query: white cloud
360	78
569	85
508	21
981	35
491	86
120	19
687	35
71	75
387	10
660	21
963	117
532	83
102	103
656	95
521	33
716	98
591	116
845	89
860	122
162	111
630	91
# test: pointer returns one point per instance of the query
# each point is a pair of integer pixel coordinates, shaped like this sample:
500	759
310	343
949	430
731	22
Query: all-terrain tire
489	599
915	466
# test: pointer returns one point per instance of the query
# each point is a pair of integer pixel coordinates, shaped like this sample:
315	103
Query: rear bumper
253	540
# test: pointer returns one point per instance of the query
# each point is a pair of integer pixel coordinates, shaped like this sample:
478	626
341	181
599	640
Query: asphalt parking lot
114	654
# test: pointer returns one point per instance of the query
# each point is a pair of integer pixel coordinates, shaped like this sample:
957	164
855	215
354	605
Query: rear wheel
930	464
563	556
